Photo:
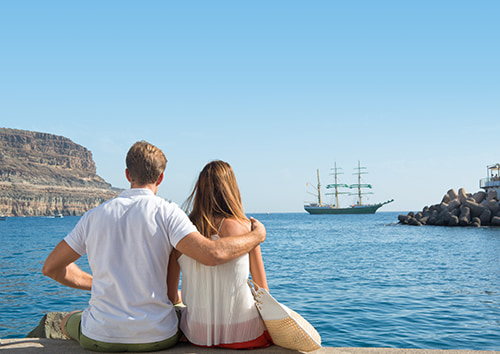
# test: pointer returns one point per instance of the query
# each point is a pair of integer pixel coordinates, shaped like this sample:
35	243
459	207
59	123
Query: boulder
464	217
485	217
403	219
443	219
495	221
493	206
452	194
475	222
455	203
453	221
492	195
475	209
423	221
434	207
414	222
462	194
446	199
479	196
49	326
432	218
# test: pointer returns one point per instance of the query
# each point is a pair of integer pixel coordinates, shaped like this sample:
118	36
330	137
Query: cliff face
43	174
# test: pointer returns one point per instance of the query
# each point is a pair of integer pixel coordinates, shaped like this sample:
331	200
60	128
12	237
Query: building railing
489	182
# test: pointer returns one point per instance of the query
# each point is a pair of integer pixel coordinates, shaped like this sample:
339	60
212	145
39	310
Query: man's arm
173	276
225	249
60	266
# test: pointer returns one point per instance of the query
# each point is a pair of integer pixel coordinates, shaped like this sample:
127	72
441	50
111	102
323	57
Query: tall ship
340	188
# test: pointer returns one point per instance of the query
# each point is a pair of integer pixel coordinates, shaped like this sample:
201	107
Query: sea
360	280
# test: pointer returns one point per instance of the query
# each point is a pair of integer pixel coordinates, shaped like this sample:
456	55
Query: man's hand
259	229
223	250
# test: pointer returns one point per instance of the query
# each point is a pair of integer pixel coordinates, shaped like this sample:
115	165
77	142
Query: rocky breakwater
458	209
43	174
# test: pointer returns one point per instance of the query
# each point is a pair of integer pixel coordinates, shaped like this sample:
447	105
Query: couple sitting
137	244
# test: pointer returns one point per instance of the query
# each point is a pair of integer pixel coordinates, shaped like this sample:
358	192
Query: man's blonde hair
145	163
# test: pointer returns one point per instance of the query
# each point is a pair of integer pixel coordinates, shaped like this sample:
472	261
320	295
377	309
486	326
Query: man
128	241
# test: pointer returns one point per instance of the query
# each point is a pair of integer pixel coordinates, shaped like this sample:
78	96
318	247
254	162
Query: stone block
485	217
453	221
423	221
479	196
493	206
475	209
49	326
455	203
452	194
495	221
414	222
462	194
403	219
492	195
446	199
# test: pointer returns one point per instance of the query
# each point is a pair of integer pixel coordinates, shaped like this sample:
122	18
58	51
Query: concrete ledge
62	346
48	338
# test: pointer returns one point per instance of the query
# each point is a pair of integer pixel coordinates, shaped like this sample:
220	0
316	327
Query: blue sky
276	88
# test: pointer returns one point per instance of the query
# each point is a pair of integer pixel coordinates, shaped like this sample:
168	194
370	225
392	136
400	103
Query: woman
220	310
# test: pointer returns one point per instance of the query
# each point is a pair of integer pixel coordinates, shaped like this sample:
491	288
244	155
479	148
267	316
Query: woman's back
220	308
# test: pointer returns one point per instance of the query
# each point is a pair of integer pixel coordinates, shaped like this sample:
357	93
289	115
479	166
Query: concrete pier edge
47	337
64	346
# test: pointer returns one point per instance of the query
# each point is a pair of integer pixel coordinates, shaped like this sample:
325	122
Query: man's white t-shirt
128	241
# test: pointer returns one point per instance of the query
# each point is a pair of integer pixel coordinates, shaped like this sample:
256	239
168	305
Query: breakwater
458	209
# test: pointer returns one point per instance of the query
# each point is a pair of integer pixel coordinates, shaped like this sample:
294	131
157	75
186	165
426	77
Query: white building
492	182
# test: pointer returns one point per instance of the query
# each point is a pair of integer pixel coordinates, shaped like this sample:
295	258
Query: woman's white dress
220	308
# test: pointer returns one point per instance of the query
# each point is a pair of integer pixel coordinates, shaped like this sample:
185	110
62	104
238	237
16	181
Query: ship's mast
360	172
336	185
319	189
359	182
336	173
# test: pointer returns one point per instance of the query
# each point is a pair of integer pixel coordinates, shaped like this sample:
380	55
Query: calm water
362	281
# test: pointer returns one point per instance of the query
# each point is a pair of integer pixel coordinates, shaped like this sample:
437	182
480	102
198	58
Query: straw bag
287	328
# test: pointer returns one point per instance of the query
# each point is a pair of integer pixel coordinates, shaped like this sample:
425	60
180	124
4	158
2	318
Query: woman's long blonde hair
215	195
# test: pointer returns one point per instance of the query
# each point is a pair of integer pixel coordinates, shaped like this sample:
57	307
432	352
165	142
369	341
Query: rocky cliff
43	174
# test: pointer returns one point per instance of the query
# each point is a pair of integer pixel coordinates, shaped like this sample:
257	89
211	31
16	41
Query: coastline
64	346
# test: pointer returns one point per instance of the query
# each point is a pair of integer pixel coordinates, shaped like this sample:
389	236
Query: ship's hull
356	209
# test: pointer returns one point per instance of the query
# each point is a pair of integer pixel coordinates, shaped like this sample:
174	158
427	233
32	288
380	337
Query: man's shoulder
167	204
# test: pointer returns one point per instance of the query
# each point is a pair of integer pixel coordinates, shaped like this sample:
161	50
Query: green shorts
73	328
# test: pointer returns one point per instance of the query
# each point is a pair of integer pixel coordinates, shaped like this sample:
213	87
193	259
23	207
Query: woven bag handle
252	285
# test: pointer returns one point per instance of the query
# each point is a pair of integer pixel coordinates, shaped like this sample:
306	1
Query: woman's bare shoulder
234	227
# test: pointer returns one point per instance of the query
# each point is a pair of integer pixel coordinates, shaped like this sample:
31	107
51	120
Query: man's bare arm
60	266
173	276
223	250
